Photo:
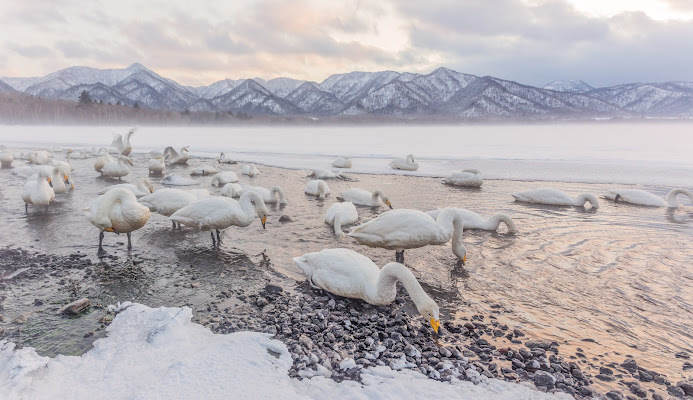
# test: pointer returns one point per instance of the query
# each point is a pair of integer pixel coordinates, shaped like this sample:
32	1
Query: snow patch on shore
159	353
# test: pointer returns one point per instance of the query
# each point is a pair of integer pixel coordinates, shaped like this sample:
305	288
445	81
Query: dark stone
630	365
285	218
75	307
38	302
676	391
605	378
542	378
614	395
606	371
645	376
682	354
687	388
542	344
518	332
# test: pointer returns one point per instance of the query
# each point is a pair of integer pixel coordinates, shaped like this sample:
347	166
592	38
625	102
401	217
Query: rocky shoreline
337	337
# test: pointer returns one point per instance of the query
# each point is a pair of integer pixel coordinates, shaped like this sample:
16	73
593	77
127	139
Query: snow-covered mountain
442	93
569	86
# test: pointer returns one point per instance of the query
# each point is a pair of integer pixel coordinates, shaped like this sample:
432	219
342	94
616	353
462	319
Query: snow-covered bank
159	353
647	153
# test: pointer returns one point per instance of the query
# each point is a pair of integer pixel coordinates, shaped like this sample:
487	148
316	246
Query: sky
603	42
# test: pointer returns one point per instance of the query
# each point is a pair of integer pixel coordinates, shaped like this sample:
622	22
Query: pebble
75	307
630	365
285	218
542	378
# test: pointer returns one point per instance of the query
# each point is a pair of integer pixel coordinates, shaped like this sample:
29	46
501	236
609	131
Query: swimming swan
121	144
473	220
341	214
177	158
203	170
117	169
60	177
407	163
117	211
38	191
217	213
6	158
249	170
466	177
341	162
409	229
167	201
317	187
363	197
40	157
555	197
350	274
222	178
221	159
142	188
101	161
643	198
67	164
157	165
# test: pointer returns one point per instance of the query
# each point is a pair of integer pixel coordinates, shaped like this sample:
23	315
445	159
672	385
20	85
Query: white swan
142	188
40	157
275	194
38	191
324	174
157	165
249	170
6	158
224	177
409	229
407	163
643	198
363	197
473	220
121	144
60	177
175	157
221	158
231	190
203	170
341	214
350	274
175	180
21	156
67	164
117	169
342	162
218	213
317	187
555	197
466	177
117	211
101	161
167	201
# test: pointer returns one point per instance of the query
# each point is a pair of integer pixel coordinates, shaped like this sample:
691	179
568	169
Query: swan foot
100	242
129	242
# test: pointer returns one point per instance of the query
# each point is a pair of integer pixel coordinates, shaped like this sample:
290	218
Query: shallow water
618	275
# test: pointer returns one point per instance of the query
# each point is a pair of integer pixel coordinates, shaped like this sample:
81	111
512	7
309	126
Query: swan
555	197
155	153
40	157
157	165
175	180
222	178
117	169
317	187
218	213
60	177
341	214
221	158
21	156
121	144
6	158
363	197
67	164
473	220
643	198
249	170
117	211
203	170
324	174
268	195
466	177
342	162
167	201
101	161
407	163
231	190
409	229
177	158
142	188
38	191
350	274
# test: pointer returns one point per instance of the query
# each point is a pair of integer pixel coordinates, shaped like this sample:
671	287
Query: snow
158	353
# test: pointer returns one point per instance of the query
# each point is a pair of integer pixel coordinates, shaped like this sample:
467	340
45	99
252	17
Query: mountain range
442	93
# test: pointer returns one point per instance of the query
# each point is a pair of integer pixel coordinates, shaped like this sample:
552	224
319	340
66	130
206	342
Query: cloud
32	51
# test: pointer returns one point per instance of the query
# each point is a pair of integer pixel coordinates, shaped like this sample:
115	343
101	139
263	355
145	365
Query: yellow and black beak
66	179
264	221
130	162
388	204
112	229
435	324
50	182
464	258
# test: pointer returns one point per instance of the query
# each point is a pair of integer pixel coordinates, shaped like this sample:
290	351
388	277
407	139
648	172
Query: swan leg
218	238
618	196
26	207
174	224
129	242
399	256
100	241
213	241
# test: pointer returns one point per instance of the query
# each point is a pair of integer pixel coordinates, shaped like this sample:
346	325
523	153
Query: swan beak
50	183
435	324
388	204
264	220
66	179
112	229
130	162
464	258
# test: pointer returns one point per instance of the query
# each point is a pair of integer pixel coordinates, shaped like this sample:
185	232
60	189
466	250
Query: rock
542	344
532	365
614	395
645	376
676	391
518	332
605	378
577	374
682	354
686	366
517	363
38	302
687	388
285	218
75	307
542	378
606	371
630	365
444	352
2	332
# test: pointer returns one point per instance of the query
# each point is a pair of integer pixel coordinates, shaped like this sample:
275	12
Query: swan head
148	184
429	310
387	203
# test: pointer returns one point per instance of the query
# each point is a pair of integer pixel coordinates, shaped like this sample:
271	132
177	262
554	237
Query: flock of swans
124	208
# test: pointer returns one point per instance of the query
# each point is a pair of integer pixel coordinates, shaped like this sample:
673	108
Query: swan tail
671	197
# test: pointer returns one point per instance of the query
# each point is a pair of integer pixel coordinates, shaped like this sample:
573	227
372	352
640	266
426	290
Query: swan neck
451	223
586	197
338	225
671	196
276	190
249	209
494	222
386	286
